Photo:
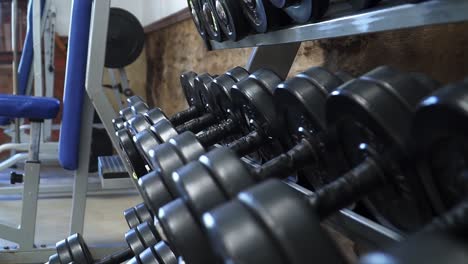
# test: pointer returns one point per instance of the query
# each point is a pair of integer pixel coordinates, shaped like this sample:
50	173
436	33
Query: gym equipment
262	15
160	253
303	10
210	20
267	201
231	18
196	13
363	4
125	38
72	249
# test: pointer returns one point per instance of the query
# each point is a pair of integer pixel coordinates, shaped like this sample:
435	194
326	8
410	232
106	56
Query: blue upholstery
31	107
75	77
4	121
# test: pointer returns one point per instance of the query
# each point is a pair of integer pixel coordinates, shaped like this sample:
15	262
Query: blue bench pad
31	107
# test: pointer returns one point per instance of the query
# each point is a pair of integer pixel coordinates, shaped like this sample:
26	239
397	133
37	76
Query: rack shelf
340	22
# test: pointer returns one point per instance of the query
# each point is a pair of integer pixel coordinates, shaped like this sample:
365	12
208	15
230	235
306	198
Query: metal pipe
34	146
14	48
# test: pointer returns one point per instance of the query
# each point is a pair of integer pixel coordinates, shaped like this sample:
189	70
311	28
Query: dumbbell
278	211
231	18
302	11
119	122
262	15
211	20
138	145
196	13
72	250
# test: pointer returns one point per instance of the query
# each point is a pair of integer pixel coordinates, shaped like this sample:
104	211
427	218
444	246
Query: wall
438	50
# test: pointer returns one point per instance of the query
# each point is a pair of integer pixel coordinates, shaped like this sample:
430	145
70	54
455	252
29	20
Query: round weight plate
237	237
63	251
363	4
163	130
184	233
126	113
166	159
165	253
210	20
145	142
289	219
262	15
133	100
439	133
143	213
155	115
136	260
195	11
134	241
54	259
231	18
203	90
137	124
220	90
188	146
118	123
187	81
125	39
154	191
79	250
228	170
148	257
194	182
139	108
305	10
148	234
131	155
131	217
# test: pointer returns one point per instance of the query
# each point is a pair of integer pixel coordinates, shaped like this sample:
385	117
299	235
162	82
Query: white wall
147	11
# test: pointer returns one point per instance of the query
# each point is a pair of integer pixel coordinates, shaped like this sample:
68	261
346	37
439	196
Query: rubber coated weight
118	123
187	81
126	113
202	87
187	239
131	217
79	250
210	20
231	18
196	13
131	155
439	131
63	251
302	11
125	39
139	108
137	124
148	234
54	259
363	4
262	15
154	191
165	253
143	213
376	109
133	100
134	241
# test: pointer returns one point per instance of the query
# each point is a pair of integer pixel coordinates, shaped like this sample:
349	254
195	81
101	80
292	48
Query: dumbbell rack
277	50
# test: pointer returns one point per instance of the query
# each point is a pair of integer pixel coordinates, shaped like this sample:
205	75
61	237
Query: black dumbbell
305	94
231	18
196	13
72	250
272	203
210	20
302	11
119	122
262	15
159	253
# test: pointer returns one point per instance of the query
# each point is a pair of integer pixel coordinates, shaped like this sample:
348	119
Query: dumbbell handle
197	124
118	257
355	184
217	132
184	116
247	144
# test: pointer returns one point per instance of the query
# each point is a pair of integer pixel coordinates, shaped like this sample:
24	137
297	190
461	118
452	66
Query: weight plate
54	259
155	115
118	123
165	253
131	155
134	241
231	18
148	257
195	11
143	213
166	159
139	108
145	142
136	260
163	130
188	146
202	88
290	222
131	217
210	20
63	251
184	233
137	124
220	90
230	173
439	134
303	10
79	250
187	81
194	182
372	110
262	15
148	234
133	100
126	113
363	4
154	191
125	38
231	228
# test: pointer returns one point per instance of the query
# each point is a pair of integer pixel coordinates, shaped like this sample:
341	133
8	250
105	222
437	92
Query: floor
104	221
